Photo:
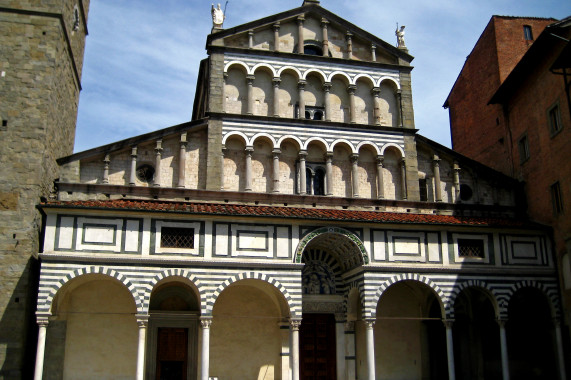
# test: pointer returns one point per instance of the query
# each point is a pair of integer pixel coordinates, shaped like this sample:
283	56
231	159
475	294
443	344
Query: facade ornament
400	36
217	17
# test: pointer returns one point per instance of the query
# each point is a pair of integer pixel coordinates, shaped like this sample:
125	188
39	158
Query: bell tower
41	50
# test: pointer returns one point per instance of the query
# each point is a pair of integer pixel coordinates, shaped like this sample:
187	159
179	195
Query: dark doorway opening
317	347
172	353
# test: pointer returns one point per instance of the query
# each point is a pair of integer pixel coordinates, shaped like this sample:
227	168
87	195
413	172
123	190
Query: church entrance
317	347
172	353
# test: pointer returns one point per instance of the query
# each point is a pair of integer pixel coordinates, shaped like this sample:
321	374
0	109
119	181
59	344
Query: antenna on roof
225	6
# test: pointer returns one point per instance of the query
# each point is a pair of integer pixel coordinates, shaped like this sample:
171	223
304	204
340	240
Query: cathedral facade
298	227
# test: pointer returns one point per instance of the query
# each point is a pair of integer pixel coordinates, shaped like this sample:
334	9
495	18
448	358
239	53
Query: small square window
557	198
554	120
471	248
523	146
177	237
527	33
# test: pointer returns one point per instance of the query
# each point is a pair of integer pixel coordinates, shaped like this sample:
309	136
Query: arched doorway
250	334
173	331
476	336
328	255
409	333
530	336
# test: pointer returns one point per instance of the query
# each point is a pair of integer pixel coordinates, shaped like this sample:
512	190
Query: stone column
133	173
340	349
373	53
302	184
399	100
560	354
182	161
300	40
277	36
403	176
355	174
457	182
276	82
327	96
370	348
350	354
250	93
158	156
324	23
222	177
248	185
450	349
329	172
437	185
285	353
106	162
250	39
504	350
380	182
301	108
349	45
294	326
276	172
142	321
205	349
41	349
352	114
377	108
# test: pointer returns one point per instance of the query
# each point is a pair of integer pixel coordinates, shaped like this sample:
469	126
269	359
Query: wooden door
172	353
317	347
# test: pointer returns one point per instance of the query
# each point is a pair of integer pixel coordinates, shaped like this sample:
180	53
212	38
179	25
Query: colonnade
274	109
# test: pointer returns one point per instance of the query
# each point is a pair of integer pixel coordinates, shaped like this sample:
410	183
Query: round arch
46	306
289	68
266	135
391	145
551	296
319	73
334	230
366	78
294	310
289	137
237	63
339	73
317	139
370	144
483	286
344	141
264	65
391	80
236	133
182	274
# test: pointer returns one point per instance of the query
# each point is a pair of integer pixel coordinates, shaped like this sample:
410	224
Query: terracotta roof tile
288	212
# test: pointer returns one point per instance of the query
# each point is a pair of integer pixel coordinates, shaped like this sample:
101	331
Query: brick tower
42	45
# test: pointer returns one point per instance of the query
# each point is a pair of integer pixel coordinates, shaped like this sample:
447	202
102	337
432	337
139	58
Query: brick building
297	227
510	109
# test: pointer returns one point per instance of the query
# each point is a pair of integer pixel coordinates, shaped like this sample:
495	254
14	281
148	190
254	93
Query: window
471	248
314	180
465	192
554	120
312	112
523	147
423	189
527	33
556	198
145	173
177	237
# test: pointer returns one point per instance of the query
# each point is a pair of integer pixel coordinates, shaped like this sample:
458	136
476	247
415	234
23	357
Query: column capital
351	89
159	146
302	154
276	151
251	32
448	323
350	326
348	35
403	162
370	323
328	156
354	157
43	319
276	81
301	84
295	324
501	322
106	159
324	22
205	322
276	26
376	92
133	151
373	47
249	150
183	138
250	78
300	19
327	86
380	159
225	75
142	319
456	167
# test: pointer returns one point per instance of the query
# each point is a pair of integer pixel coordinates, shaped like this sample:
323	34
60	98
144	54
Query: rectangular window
423	189
557	198
523	147
177	237
554	120
471	248
527	33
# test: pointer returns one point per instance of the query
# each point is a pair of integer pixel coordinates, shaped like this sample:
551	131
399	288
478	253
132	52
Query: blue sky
142	56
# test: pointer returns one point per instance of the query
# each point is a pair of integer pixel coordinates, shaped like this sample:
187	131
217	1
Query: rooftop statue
217	17
400	36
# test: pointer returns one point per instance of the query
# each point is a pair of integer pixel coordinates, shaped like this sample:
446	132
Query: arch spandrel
478	284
